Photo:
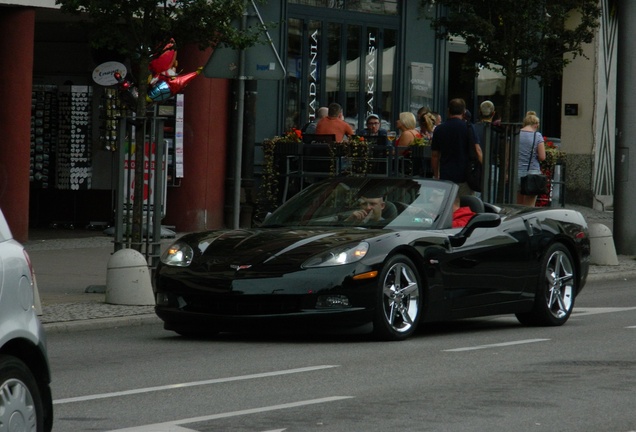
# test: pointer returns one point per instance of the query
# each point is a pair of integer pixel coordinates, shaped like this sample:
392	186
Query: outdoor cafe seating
319	157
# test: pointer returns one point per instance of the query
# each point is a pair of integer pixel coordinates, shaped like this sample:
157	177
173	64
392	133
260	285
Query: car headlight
179	254
339	256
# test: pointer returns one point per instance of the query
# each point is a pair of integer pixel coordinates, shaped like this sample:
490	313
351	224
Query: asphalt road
474	375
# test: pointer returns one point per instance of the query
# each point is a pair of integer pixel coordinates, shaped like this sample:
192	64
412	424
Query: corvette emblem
240	267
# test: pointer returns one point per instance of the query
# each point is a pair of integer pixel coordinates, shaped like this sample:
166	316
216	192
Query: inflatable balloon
163	83
167	87
127	90
164	64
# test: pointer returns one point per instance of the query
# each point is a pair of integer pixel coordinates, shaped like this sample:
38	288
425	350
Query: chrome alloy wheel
401	297
559	295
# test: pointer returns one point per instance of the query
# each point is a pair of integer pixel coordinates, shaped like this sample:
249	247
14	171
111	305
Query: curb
611	275
102	323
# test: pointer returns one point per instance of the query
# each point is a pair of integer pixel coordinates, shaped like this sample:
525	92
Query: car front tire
21	406
555	295
399	301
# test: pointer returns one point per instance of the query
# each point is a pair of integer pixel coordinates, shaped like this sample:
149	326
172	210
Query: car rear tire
20	401
399	300
555	294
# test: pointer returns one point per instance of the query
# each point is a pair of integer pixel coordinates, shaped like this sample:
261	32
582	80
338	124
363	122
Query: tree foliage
136	29
518	38
139	29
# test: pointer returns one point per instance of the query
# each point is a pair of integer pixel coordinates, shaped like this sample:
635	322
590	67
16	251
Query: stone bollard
128	279
602	247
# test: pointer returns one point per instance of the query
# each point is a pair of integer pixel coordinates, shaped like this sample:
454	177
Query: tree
139	29
518	38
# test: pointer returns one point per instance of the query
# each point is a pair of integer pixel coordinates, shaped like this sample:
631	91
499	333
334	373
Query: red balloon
165	61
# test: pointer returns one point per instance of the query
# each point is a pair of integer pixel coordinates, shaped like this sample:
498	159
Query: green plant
553	156
420	141
356	155
267	199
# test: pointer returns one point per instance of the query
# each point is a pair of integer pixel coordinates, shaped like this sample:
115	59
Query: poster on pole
150	170
178	137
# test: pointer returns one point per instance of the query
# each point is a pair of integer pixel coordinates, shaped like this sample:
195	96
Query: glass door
331	61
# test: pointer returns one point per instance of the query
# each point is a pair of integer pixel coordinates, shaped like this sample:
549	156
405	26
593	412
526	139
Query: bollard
128	279
602	247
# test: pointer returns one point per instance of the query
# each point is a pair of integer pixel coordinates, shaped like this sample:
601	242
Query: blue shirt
525	147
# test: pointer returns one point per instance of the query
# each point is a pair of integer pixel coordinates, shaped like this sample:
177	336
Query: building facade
377	57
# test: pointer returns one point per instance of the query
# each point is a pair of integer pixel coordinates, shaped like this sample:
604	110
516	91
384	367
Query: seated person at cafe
334	124
461	215
373	128
310	128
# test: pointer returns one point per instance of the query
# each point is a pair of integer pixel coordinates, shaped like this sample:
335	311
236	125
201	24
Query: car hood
269	248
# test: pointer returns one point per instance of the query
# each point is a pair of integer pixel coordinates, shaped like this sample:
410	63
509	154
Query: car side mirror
480	220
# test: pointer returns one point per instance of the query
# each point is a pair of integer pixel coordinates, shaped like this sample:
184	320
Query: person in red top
461	215
406	123
334	123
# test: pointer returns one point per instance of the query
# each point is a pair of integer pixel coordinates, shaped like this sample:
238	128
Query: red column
198	204
16	63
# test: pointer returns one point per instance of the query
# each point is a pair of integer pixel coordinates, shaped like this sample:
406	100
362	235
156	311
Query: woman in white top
529	136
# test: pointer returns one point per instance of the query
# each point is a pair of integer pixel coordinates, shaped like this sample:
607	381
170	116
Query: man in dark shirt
373	128
449	148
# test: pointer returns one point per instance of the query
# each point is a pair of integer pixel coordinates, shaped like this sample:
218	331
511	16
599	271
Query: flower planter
288	148
420	151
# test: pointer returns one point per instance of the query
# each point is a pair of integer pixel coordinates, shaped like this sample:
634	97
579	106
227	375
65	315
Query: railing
298	165
302	164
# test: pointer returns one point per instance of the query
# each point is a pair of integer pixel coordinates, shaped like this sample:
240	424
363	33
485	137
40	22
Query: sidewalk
68	262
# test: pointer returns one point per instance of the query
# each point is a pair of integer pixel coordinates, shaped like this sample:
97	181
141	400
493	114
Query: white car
25	394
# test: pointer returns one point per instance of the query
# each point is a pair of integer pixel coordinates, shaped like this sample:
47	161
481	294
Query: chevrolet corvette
376	253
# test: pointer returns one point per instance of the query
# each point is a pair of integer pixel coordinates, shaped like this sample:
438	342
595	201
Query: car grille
244	305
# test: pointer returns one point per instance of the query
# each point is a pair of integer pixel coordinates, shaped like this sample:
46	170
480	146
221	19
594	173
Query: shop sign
104	74
313	75
370	73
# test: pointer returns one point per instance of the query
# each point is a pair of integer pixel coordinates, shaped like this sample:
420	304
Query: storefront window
373	6
294	72
333	61
386	66
352	76
385	7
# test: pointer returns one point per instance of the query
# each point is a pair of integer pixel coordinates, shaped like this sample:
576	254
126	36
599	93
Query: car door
490	268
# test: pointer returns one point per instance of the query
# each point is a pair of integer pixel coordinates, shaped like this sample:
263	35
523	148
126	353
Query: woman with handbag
531	152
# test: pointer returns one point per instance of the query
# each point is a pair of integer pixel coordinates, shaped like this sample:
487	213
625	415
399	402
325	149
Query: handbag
473	169
533	184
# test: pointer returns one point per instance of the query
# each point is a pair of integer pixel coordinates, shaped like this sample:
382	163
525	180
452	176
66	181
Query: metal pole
239	131
158	198
120	212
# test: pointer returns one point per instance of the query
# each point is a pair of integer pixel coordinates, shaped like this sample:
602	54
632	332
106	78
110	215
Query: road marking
190	384
497	345
599	310
171	425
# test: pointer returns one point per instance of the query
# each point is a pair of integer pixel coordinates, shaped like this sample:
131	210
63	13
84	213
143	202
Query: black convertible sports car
356	251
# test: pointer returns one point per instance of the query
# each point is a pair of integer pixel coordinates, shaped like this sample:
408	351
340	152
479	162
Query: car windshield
369	203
